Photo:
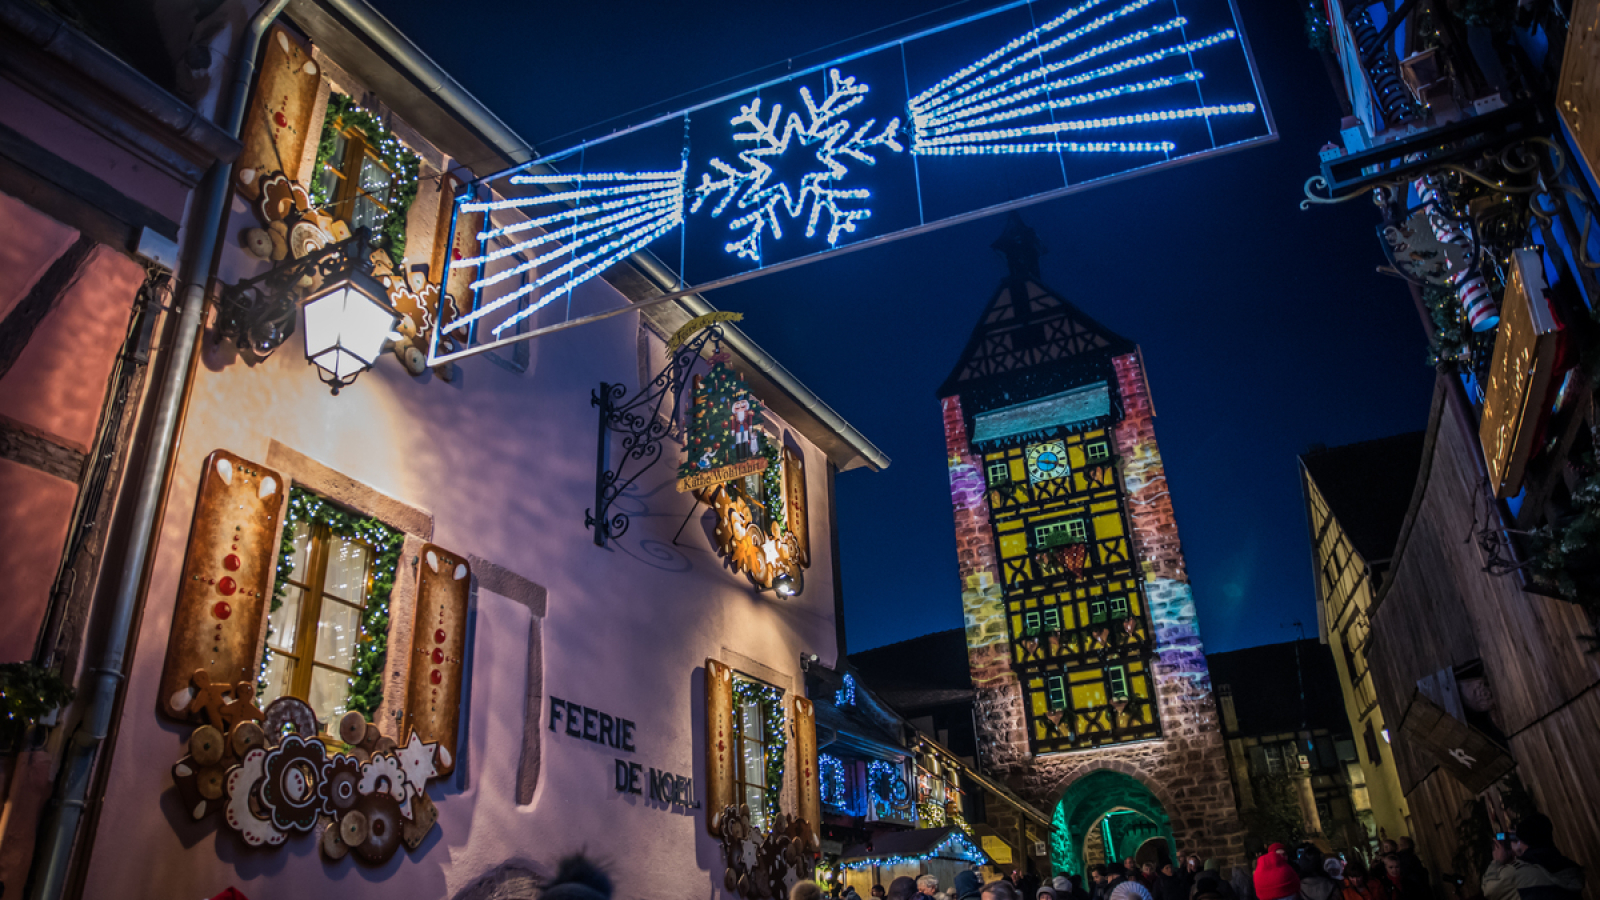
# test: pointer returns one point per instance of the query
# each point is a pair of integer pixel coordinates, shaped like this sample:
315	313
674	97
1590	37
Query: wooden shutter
720	744
438	648
458	282
227	583
278	123
795	513
807	783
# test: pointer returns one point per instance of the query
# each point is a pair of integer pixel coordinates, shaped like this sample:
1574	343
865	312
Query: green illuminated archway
1089	800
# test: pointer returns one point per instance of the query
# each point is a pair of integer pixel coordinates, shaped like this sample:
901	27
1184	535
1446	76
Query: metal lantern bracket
644	422
258	314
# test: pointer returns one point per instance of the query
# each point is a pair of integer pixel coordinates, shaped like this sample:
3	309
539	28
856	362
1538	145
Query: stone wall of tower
1187	767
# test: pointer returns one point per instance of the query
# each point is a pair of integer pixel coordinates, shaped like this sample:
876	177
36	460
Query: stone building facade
1082	708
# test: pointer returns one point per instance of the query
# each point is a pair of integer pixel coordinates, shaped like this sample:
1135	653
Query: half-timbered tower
1093	694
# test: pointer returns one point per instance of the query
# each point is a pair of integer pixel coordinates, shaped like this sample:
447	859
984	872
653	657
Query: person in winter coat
1170	885
1208	885
968	885
1243	886
1275	879
1314	881
1000	890
902	888
1353	886
1530	867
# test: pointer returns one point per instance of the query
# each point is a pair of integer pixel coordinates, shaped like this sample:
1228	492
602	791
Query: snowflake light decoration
752	188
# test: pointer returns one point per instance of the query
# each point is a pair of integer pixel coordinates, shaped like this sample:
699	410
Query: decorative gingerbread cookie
384	824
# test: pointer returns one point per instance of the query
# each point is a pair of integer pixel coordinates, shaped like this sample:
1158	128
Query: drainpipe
55	853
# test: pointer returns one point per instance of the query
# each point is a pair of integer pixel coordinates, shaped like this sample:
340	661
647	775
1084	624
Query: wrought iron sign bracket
644	422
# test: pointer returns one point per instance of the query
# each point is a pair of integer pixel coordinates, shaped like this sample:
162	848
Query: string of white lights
930	124
581	177
583	233
1015	44
963	126
997	70
945	110
564	196
567	213
1166	115
615	251
1048	147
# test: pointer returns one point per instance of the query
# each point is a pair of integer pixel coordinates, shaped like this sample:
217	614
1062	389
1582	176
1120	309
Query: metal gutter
52	862
449	93
65	43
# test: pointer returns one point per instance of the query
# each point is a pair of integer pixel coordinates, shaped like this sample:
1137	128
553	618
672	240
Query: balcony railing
1098	641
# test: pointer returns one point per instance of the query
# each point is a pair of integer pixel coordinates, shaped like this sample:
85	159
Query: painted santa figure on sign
744	429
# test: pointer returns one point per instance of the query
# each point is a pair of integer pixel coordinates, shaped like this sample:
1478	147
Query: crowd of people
1526	866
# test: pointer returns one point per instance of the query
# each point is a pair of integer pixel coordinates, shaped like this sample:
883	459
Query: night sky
1265	329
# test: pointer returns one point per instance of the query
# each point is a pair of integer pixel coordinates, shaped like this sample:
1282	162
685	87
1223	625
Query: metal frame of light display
896	140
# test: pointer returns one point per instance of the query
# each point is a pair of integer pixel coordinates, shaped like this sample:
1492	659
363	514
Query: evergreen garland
1317	32
404	166
772	483
28	692
366	681
775	725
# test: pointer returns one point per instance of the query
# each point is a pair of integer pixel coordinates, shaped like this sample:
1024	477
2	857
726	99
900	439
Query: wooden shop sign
1520	374
709	477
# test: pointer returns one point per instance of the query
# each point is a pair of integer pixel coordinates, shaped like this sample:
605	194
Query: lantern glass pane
367	324
324	318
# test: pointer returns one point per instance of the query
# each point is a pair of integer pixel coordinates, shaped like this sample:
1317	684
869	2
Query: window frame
1032	622
313	593
1051	620
1097	611
1114	675
741	785
1124	610
348	192
1104	448
1055	692
1005	472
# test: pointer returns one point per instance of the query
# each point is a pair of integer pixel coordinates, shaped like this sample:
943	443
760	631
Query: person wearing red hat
1275	878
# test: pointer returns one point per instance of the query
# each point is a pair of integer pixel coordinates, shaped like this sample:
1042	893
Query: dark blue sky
1265	328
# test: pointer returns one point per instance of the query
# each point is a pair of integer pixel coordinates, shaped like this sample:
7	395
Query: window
1119	607
1030	623
314	632
750	763
1052	619
1274	757
360	188
1056	692
999	473
1097	610
1097	451
1117	678
1056	534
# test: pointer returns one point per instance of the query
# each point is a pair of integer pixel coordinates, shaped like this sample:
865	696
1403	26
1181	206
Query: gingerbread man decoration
242	707
208	700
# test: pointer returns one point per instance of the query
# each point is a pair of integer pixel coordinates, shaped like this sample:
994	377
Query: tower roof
1026	326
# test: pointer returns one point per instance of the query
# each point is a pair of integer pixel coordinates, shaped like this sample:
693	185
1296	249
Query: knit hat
1334	866
577	878
1045	890
1132	890
1275	878
904	888
1212	865
1062	884
968	884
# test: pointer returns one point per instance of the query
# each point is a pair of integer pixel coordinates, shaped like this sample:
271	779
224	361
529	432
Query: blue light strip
962	126
605	226
1166	115
1050	147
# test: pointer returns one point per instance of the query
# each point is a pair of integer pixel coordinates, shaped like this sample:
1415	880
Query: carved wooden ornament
807	783
796	512
719	744
438	649
227	582
278	123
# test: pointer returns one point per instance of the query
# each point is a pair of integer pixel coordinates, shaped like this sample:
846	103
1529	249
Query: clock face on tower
1046	461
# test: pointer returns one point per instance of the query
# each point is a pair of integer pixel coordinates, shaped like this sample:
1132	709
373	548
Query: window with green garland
328	626
761	739
364	175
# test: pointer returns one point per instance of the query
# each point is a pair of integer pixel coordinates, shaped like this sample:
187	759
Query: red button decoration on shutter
438	636
438	657
221	610
231	562
226	586
436	676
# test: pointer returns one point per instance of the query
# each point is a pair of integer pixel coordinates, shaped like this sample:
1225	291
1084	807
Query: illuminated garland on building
887	782
366	679
955	846
403	165
846	695
830	770
775	735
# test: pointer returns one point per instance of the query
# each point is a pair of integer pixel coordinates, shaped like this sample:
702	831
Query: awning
946	842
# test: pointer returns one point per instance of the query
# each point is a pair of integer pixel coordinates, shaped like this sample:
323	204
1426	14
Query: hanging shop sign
1028	101
1520	374
1576	101
1465	752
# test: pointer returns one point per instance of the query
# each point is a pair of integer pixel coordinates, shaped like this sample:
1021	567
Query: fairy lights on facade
955	846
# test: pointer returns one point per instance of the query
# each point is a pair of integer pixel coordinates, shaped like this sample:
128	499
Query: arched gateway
1105	816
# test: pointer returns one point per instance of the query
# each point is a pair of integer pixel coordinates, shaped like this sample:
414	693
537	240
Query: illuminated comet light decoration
1007	101
1023	98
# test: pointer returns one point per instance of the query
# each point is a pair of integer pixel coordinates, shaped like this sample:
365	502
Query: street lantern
347	318
347	322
